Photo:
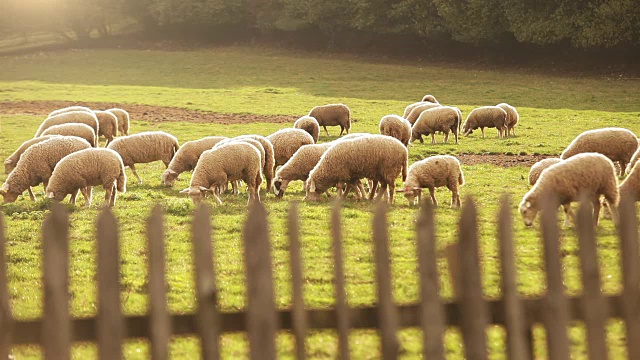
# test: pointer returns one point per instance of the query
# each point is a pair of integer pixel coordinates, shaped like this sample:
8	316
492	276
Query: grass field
553	110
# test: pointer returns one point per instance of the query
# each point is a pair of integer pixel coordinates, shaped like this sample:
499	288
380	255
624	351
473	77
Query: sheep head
528	212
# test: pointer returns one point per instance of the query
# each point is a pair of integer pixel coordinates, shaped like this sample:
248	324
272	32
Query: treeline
580	24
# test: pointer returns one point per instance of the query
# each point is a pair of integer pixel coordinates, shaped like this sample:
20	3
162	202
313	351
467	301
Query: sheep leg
432	192
433	138
596	211
372	191
215	193
381	191
234	186
363	193
133	170
325	129
446	138
569	217
108	192
74	195
623	168
341	130
31	195
482	131
392	190
87	192
114	195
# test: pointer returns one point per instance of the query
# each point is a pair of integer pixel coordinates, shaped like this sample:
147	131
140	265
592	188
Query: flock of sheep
65	157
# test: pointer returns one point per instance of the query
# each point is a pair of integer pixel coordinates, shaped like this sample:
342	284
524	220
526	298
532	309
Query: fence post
109	329
299	323
160	321
262	322
432	318
6	321
56	329
342	307
628	233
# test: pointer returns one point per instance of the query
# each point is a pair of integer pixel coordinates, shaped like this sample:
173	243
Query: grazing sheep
269	166
83	170
486	116
634	159
376	157
414	114
74	129
332	115
433	172
587	174
310	125
83	117
252	142
12	160
537	168
299	166
108	125
512	118
69	109
230	162
123	120
444	118
397	127
145	147
286	142
37	163
631	185
430	98
410	107
187	157
618	144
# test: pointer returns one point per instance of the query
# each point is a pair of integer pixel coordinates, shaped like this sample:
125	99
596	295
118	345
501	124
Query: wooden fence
471	312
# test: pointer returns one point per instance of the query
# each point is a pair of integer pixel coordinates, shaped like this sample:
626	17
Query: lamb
397	127
376	157
332	115
73	129
187	157
230	162
433	172
415	112
269	165
12	160
634	159
410	107
83	170
310	125
486	116
512	118
444	118
69	109
430	98
618	144
37	163
145	147
108	125
83	117
123	120
286	142
299	166
537	168
587	174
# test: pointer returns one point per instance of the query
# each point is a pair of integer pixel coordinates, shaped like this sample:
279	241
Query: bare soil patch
501	160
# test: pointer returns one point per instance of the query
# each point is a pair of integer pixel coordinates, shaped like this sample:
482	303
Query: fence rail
470	311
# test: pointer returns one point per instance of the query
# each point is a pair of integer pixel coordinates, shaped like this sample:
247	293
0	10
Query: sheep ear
172	172
312	186
185	191
527	204
50	195
204	189
8	161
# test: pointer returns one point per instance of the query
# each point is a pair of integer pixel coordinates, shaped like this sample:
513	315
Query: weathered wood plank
342	308
6	319
299	321
160	320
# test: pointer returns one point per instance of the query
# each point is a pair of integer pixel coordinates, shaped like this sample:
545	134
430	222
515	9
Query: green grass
265	81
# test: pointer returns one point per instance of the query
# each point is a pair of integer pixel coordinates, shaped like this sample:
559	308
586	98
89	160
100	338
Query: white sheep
299	166
252	142
587	174
73	129
230	162
539	167
145	147
332	115
634	159
269	153
444	118
187	157
512	118
310	125
430	98
486	116
433	172
123	120
12	160
82	170
286	142
83	117
631	185
618	144
37	163
108	125
415	112
396	126
410	107
69	109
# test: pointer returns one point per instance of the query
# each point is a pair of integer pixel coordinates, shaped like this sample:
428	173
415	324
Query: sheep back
74	129
145	147
332	115
69	109
443	118
537	168
618	144
310	125
269	164
187	157
286	142
397	127
12	160
123	120
512	115
83	117
108	124
485	117
430	98
435	171
417	110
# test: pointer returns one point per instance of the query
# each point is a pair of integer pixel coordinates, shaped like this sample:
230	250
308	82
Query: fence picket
557	312
110	330
432	319
342	307
56	329
262	322
473	306
298	312
6	319
159	319
628	233
516	327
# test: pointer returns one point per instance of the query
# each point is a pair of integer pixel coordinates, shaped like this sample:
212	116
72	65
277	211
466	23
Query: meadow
266	81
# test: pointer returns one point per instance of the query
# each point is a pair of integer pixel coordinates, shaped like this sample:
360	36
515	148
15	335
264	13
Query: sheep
230	162
618	144
123	120
310	125
486	116
108	125
631	185
512	118
433	172
410	107
254	143
83	117
286	142
444	118
269	165
69	109
634	160
430	98
586	174
299	166
332	115
12	160
537	168
397	127
376	157
82	170
415	112
187	157
74	129
145	147
36	165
